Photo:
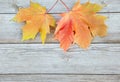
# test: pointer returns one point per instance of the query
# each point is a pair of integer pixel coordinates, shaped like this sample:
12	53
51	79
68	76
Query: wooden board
49	58
11	6
11	32
59	78
30	61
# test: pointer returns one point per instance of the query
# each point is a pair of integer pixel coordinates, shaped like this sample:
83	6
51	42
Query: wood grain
30	61
59	78
11	6
10	32
49	58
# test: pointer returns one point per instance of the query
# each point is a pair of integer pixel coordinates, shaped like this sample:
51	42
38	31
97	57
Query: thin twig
52	6
65	5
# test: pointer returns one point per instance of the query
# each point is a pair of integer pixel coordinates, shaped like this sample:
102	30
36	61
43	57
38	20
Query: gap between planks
59	78
8	74
63	12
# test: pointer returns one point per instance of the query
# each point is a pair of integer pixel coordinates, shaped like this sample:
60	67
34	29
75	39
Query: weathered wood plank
10	32
49	58
8	6
59	78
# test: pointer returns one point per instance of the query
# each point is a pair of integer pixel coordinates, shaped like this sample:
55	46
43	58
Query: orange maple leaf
37	21
80	25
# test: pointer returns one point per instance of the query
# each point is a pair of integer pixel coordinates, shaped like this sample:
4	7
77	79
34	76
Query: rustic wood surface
59	78
31	61
11	31
49	58
10	6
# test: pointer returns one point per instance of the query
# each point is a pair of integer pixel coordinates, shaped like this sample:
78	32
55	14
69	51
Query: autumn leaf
36	21
80	25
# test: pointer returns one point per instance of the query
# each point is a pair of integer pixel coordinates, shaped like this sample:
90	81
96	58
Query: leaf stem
56	3
52	6
65	5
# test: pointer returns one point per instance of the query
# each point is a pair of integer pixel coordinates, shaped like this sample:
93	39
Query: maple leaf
37	21
80	25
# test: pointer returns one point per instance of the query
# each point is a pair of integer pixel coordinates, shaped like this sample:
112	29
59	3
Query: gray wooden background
30	61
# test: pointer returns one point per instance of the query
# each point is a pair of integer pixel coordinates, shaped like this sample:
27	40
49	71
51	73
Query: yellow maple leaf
37	21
